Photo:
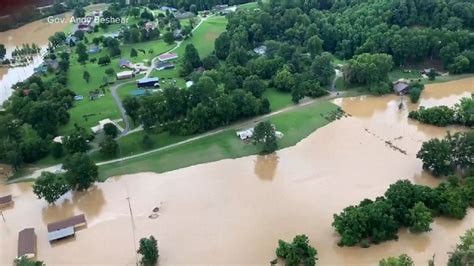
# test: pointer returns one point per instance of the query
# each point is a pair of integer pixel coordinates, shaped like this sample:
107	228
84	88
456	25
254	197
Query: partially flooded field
234	211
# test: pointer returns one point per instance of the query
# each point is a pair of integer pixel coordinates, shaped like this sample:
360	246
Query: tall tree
81	171
264	134
50	186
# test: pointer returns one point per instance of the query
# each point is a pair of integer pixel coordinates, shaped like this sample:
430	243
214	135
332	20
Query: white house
245	134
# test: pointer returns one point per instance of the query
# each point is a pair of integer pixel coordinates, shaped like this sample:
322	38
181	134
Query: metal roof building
60	234
27	243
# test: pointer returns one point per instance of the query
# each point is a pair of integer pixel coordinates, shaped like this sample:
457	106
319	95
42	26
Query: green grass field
295	125
248	6
278	100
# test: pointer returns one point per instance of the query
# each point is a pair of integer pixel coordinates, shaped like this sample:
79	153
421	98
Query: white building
125	74
245	134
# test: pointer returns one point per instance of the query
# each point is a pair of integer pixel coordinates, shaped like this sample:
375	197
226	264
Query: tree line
403	205
461	114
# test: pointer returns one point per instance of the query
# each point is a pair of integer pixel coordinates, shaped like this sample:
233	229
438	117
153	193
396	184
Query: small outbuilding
245	134
6	201
125	74
61	234
27	243
401	87
124	63
100	126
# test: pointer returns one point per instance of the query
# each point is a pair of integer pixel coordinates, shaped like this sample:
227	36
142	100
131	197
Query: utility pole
133	230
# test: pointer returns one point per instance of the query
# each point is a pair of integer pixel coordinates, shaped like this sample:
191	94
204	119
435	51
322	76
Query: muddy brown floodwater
36	32
234	211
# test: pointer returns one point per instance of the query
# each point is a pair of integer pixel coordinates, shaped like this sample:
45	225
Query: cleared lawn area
166	76
278	100
248	6
398	74
203	38
295	126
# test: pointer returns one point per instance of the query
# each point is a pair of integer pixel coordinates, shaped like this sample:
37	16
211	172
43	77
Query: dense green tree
81	171
437	157
77	141
149	251
284	80
415	91
264	134
81	51
464	253
104	60
109	147
147	142
421	218
111	130
299	252
210	62
322	68
437	115
86	76
50	186
191	56
133	53
168	37
254	85
57	150
222	46
368	68
314	45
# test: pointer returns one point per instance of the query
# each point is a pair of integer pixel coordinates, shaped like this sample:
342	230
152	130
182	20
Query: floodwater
234	211
36	32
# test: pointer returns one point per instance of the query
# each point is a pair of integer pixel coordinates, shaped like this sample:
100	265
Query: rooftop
146	80
167	56
77	220
27	242
61	233
6	200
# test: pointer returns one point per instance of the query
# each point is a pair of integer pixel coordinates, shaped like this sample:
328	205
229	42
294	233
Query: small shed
6	201
245	134
61	234
125	74
167	56
124	63
189	83
401	87
58	139
27	243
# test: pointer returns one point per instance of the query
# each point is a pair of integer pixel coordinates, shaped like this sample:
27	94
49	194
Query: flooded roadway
234	211
36	32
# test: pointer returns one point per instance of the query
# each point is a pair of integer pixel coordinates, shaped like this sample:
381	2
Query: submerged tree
299	252
50	186
149	251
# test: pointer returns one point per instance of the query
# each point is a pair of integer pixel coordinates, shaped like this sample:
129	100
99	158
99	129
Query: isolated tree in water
297	253
25	261
264	134
50	186
149	250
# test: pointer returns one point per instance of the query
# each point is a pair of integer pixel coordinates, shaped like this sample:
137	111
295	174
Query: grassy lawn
166	76
397	74
203	38
295	126
278	100
248	6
